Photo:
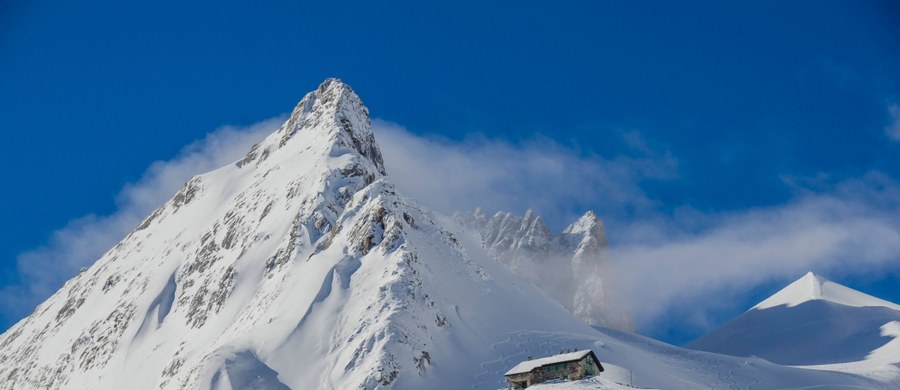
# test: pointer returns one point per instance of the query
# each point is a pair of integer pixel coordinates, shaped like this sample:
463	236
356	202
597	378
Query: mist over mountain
572	267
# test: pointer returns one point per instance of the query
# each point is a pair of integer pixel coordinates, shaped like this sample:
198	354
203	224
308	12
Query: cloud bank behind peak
674	267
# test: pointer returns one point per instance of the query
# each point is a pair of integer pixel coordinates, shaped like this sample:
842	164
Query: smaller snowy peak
812	322
588	226
587	223
587	234
813	287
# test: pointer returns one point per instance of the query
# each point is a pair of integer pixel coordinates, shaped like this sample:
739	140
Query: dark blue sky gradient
741	94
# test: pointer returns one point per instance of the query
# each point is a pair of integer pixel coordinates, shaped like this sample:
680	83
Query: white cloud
685	264
82	241
557	182
689	262
666	269
893	128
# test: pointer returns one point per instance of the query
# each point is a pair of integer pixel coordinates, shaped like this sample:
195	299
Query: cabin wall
590	367
517	378
569	370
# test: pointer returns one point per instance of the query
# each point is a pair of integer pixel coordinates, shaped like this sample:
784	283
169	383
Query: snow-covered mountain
573	267
301	266
814	321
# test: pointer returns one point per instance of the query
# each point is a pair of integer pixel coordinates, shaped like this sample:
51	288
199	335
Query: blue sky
711	117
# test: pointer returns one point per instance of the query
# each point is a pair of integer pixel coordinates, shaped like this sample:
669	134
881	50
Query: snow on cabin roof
529	365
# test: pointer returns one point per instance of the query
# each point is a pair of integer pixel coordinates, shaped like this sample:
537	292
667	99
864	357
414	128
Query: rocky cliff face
298	266
573	267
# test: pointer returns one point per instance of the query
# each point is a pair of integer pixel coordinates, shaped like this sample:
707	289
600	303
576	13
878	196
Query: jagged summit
587	235
335	117
813	287
589	222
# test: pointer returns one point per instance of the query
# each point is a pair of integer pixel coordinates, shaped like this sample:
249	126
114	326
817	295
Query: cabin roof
528	365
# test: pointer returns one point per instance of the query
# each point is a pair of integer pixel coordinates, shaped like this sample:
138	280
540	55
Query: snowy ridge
814	287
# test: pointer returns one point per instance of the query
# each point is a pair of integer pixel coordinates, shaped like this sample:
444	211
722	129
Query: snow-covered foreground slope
816	322
302	267
593	383
638	361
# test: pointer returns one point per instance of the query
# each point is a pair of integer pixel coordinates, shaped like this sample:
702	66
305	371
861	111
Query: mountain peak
586	229
813	287
298	267
812	321
586	223
335	117
814	282
331	83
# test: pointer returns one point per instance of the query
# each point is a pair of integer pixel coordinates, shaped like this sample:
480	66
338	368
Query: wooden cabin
563	367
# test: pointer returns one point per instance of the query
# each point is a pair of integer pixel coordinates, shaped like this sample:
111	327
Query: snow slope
815	322
595	383
300	266
634	360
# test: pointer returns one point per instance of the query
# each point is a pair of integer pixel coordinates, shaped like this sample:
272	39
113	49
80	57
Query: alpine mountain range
301	266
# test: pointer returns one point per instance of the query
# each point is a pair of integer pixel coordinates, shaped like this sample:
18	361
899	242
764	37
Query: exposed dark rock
187	193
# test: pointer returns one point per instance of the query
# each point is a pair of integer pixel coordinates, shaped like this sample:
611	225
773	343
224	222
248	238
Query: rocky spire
332	114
